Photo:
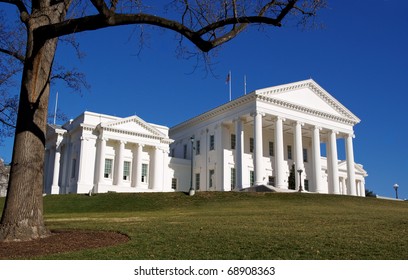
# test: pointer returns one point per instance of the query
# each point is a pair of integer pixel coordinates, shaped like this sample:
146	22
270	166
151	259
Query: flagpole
55	110
230	78
244	84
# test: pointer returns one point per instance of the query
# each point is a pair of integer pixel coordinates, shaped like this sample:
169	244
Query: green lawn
225	225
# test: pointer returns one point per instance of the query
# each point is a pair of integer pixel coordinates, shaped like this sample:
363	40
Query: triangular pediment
134	124
310	96
357	167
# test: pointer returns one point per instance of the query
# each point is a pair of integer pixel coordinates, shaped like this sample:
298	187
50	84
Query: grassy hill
222	225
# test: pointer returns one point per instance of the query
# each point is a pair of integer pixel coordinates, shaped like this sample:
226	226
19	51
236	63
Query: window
197	181
211	179
251	145
233	141
212	142
108	168
233	182
172	152
289	152
306	184
271	150
185	151
174	183
197	147
271	181
73	168
126	170
145	168
251	177
304	155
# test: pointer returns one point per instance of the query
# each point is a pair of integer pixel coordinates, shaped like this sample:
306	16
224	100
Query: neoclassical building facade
100	153
283	137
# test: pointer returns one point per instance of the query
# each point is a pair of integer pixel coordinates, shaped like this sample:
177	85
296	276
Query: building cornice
136	134
266	95
306	110
217	111
137	120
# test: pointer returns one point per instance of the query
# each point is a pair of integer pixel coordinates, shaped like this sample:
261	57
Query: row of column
136	175
279	172
360	190
156	165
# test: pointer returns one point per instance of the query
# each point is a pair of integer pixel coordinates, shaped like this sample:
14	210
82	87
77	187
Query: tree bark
22	217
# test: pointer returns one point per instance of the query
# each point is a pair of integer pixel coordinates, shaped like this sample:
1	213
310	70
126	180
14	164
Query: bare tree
12	45
206	24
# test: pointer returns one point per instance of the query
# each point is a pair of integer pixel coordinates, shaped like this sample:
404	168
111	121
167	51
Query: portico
306	142
270	130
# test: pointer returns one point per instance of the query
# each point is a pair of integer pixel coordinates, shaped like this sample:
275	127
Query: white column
333	162
65	171
258	150
239	153
137	166
279	160
298	152
119	170
82	161
102	145
157	169
220	167
351	173
362	188
317	165
358	189
55	177
343	188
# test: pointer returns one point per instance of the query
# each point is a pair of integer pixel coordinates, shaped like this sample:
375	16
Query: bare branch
285	11
113	5
73	78
102	8
13	54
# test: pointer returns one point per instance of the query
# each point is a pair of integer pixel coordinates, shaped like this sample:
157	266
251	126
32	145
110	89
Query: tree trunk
22	217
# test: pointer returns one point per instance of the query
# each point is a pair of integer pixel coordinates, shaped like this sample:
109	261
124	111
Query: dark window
212	142
233	173
271	149
197	147
233	141
174	183
304	155
197	181
185	151
271	181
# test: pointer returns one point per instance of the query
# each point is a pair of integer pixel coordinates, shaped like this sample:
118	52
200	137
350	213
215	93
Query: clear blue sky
360	57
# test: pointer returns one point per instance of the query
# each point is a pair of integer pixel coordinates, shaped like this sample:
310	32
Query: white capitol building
262	138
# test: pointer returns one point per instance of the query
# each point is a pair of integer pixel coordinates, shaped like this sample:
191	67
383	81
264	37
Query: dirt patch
59	242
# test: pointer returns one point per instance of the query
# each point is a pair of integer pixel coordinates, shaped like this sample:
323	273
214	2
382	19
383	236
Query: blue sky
360	57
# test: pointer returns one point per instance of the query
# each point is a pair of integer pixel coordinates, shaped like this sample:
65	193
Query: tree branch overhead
205	35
